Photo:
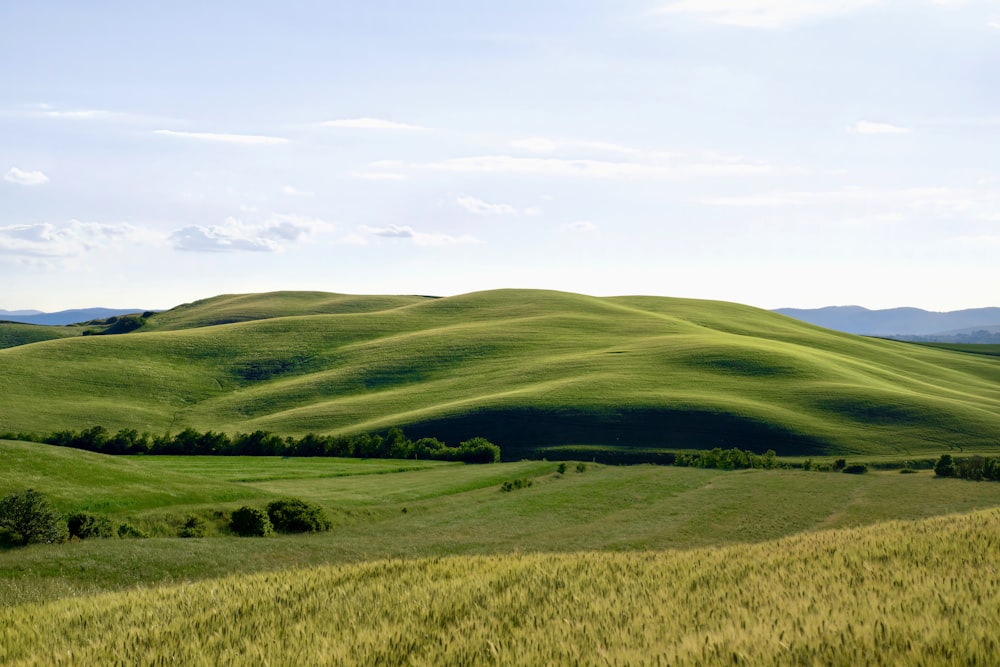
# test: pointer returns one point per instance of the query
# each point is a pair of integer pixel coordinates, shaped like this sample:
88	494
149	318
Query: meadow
528	561
524	368
431	563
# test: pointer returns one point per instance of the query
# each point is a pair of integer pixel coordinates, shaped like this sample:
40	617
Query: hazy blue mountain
896	321
65	316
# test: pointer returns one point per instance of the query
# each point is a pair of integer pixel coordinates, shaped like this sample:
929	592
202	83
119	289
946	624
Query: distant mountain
897	322
64	316
4	313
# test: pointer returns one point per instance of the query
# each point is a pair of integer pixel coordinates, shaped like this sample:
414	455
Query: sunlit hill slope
524	368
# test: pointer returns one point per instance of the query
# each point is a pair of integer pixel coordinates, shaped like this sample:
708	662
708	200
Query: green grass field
526	369
450	509
430	563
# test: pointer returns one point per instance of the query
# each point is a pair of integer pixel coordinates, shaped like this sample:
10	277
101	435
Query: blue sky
778	153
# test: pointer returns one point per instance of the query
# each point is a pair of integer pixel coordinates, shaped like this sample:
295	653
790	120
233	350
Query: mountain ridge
891	322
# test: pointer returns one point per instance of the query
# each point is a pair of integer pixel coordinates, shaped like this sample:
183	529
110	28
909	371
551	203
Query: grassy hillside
13	334
895	593
527	369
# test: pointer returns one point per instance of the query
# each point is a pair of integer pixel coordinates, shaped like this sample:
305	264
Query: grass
418	509
523	368
896	593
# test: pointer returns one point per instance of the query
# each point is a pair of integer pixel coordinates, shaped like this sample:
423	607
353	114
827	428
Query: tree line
190	442
975	468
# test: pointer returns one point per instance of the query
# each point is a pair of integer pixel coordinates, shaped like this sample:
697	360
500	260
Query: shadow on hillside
530	432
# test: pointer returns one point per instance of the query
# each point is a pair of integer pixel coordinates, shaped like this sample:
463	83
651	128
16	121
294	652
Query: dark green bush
561	468
907	471
510	485
27	518
581	467
855	469
194	526
945	466
292	515
251	522
127	530
83	526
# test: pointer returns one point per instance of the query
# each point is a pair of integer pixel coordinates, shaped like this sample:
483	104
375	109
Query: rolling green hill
525	368
13	334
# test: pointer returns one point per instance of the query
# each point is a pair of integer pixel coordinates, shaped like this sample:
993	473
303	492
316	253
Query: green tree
292	515
251	522
945	466
28	518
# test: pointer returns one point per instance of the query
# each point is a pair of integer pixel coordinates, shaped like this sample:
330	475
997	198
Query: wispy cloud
549	145
418	238
70	239
580	226
22	177
585	168
82	114
980	204
380	175
480	207
248	139
373	124
295	192
872	127
234	235
767	14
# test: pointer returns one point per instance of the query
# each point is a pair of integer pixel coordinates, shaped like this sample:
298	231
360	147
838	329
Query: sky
776	153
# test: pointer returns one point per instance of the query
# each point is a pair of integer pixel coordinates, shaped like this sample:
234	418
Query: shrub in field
856	469
510	485
840	464
581	467
561	468
127	530
251	522
945	466
83	526
29	519
292	515
194	526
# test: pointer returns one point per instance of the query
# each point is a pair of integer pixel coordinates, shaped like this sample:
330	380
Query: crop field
921	592
525	369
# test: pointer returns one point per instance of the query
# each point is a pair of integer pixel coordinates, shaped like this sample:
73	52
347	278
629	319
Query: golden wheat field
917	593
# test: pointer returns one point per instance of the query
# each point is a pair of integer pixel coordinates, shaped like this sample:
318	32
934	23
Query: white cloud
588	168
418	238
768	14
373	124
234	235
579	226
380	175
21	177
480	207
82	114
548	145
871	127
73	238
249	139
295	192
868	204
